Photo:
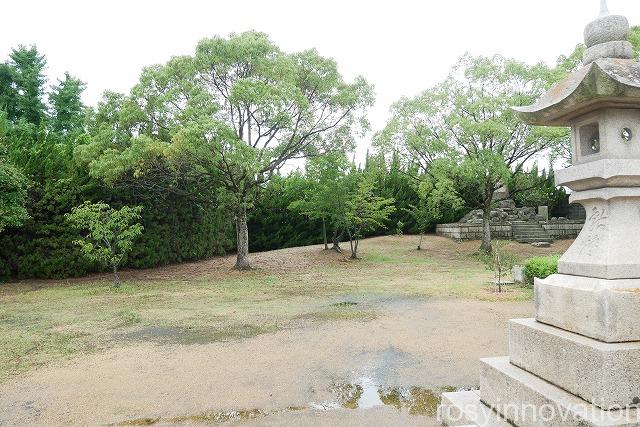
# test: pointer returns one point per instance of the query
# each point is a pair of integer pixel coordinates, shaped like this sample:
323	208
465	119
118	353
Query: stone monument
578	362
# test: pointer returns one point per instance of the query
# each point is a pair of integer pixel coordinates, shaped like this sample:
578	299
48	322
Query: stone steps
529	232
605	374
529	401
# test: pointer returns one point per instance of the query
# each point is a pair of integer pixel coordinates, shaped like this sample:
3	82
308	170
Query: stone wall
466	231
563	229
559	229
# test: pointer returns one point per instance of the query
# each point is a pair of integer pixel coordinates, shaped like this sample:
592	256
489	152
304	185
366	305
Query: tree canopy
468	118
234	113
107	234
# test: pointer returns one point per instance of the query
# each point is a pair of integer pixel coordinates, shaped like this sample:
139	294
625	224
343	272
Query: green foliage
276	221
536	188
176	228
324	192
43	246
393	180
454	178
13	196
468	119
228	118
540	267
634	38
8	91
365	212
448	191
444	194
27	73
201	140
108	234
68	114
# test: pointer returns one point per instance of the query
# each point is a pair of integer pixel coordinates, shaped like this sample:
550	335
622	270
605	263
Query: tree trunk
336	241
242	239
486	228
499	267
116	277
324	234
420	242
354	249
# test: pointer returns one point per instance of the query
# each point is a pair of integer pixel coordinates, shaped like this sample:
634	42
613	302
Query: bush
540	267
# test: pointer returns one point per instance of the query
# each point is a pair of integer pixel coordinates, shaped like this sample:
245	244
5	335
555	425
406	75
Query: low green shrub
540	267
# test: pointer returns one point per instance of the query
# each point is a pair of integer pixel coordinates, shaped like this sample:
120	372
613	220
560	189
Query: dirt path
385	371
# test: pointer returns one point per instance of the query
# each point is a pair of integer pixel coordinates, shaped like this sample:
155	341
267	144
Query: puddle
366	394
361	395
370	397
220	417
189	336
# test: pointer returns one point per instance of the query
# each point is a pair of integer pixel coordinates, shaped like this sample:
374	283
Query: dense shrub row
175	230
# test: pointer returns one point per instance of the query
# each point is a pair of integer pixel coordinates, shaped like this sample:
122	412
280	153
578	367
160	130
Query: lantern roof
604	83
610	78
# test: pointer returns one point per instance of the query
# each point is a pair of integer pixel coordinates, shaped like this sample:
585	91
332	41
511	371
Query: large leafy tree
231	116
468	118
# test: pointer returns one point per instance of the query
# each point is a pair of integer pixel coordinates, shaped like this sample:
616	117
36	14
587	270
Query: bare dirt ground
371	342
291	377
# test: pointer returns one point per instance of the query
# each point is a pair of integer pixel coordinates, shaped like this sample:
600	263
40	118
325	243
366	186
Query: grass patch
345	304
51	321
187	336
336	315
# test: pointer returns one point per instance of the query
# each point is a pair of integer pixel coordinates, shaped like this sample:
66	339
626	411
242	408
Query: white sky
401	46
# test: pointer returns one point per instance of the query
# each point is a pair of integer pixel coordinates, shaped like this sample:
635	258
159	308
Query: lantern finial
604	10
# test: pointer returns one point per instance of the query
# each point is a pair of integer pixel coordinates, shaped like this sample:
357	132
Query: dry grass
44	321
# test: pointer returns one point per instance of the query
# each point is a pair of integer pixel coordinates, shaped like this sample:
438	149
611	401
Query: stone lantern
578	362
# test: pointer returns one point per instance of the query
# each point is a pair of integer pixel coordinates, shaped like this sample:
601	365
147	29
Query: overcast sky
401	46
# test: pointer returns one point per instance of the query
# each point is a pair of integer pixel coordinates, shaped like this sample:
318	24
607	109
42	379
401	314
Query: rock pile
506	211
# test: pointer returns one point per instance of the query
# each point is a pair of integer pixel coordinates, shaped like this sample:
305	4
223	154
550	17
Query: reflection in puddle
366	394
370	397
362	394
